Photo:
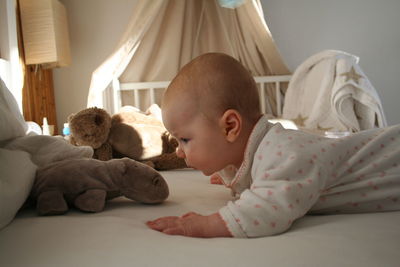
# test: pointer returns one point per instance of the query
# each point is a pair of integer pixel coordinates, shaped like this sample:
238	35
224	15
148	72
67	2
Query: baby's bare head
213	83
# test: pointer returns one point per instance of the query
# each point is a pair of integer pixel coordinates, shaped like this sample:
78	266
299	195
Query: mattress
118	236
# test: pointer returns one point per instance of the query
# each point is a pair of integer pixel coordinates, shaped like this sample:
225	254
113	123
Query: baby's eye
184	140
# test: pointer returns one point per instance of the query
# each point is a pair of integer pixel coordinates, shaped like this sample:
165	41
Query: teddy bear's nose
98	120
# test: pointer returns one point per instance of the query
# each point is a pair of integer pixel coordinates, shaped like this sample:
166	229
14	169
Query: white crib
112	96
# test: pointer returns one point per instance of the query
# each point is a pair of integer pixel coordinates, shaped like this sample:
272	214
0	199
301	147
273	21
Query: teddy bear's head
90	127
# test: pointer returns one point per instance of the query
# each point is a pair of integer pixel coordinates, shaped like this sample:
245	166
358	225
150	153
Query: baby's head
214	83
211	107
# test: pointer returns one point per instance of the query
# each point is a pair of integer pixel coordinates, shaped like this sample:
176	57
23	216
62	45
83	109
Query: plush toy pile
59	175
126	134
87	183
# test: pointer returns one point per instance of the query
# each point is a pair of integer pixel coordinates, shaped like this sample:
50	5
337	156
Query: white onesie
287	173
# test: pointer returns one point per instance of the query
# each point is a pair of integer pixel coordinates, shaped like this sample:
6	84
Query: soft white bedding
118	236
21	152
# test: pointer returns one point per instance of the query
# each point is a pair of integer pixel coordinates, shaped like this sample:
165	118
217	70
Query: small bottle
66	131
45	127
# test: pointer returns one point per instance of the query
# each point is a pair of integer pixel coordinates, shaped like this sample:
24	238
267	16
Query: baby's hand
216	179
191	224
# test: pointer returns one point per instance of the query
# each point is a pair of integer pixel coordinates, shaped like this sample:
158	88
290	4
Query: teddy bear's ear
69	119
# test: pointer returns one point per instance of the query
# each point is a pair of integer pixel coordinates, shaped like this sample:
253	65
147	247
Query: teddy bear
90	127
128	133
87	184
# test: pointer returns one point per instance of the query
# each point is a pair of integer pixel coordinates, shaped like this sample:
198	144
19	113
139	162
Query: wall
95	27
367	28
10	68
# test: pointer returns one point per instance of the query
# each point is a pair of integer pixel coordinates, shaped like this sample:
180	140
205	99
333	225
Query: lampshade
45	33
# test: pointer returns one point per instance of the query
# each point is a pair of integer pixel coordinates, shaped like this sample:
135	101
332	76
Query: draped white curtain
163	35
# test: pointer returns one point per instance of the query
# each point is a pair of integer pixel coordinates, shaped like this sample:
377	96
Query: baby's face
201	141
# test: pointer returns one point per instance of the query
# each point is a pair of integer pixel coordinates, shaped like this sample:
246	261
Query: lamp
45	33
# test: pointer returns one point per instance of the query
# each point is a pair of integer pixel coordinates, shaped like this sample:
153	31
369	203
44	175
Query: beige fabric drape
166	34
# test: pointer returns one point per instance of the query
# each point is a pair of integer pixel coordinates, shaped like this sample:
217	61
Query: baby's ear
231	124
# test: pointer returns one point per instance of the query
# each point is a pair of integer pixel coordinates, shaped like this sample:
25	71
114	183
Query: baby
279	175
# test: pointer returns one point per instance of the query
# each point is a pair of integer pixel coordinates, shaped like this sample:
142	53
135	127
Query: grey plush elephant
87	183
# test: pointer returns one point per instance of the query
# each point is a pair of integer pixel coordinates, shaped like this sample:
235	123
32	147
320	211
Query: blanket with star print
330	92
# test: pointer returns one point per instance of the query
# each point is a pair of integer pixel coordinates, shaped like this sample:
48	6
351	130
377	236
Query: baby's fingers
174	231
163	223
189	214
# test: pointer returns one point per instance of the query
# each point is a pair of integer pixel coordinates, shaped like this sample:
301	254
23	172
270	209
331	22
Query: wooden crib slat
152	96
136	94
262	97
278	99
116	95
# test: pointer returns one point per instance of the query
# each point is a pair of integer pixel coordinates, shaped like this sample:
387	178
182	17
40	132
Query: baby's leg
374	196
371	180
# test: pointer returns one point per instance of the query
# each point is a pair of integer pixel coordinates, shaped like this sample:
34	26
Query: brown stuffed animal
91	127
87	183
127	134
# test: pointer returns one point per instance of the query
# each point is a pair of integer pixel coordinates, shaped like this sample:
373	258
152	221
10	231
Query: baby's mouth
188	165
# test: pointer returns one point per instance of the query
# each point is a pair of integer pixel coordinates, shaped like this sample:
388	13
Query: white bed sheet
118	236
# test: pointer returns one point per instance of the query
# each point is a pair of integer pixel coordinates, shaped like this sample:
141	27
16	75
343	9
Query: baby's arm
191	224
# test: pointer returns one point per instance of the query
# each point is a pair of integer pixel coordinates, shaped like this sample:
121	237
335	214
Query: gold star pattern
299	121
319	127
352	75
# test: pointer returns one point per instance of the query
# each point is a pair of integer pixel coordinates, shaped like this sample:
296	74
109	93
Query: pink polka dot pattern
294	173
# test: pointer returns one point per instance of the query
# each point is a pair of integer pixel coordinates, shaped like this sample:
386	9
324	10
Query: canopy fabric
164	35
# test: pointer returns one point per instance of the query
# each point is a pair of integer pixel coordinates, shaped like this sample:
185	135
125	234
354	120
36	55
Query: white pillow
17	173
12	124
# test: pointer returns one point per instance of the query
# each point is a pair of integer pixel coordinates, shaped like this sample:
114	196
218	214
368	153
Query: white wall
95	27
10	68
369	29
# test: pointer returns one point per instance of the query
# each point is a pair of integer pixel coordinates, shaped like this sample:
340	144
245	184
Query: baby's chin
207	173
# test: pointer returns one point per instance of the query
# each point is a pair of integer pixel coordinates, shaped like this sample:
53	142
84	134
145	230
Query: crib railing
262	82
113	102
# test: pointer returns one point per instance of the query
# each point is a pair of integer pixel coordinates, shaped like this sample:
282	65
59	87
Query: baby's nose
180	153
